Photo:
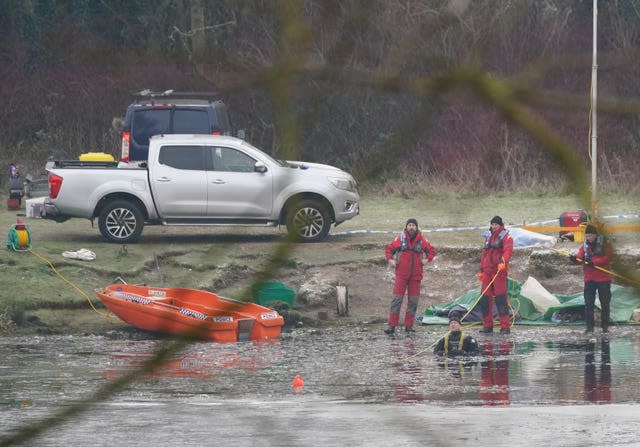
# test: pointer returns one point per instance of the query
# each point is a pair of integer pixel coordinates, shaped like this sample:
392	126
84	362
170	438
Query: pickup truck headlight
343	183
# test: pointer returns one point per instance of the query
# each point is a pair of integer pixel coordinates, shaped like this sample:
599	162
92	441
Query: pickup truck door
179	182
235	189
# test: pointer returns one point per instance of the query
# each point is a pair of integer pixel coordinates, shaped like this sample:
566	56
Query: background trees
384	88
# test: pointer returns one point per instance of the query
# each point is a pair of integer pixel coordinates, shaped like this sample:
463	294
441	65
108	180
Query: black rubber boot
390	330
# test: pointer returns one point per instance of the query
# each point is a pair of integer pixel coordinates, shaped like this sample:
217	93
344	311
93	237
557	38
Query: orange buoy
298	381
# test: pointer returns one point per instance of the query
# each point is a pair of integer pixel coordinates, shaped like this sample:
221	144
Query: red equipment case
572	219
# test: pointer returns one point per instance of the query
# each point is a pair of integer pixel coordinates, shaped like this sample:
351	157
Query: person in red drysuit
407	253
494	270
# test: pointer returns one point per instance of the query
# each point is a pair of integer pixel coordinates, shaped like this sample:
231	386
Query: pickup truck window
231	160
183	157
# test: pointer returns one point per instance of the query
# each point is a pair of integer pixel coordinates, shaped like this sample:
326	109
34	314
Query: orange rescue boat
191	312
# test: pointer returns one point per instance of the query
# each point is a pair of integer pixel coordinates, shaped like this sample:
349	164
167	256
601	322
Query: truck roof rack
151	95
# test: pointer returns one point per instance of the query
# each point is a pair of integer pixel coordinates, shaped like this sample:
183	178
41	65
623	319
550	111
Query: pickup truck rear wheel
308	221
121	222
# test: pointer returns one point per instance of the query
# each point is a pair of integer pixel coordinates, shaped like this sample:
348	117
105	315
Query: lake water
540	385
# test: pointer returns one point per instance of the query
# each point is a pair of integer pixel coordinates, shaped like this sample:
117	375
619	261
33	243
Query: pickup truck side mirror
260	167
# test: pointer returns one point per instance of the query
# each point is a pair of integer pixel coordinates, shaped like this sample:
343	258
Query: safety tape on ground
475	228
623	216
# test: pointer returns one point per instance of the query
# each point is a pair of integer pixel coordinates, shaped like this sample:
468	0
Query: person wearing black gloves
455	342
595	256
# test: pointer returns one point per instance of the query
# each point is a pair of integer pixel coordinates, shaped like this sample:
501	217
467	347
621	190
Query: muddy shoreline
368	283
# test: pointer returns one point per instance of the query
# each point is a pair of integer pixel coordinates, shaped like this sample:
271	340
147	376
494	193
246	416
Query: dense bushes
373	86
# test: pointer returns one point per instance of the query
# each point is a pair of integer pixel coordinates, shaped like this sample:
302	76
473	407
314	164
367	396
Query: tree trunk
197	30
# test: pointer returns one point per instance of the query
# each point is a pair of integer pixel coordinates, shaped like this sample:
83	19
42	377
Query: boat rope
109	317
404	359
23	239
479	296
475	323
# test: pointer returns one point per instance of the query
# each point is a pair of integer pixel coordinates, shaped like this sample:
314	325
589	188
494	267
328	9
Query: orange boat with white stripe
191	312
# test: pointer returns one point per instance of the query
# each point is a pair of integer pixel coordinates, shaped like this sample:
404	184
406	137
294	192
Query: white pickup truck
202	180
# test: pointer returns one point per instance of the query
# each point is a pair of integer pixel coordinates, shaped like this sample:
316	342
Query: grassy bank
43	289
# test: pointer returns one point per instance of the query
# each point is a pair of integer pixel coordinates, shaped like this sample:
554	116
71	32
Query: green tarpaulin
624	301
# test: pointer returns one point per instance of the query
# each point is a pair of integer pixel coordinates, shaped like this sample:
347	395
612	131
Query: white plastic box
35	207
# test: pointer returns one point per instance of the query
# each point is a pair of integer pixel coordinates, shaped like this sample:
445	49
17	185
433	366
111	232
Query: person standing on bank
494	271
595	256
407	253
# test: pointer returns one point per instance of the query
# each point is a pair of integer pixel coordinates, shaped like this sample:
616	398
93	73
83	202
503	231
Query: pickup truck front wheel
121	222
308	221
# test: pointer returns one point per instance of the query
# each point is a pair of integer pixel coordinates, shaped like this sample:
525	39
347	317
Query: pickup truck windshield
274	160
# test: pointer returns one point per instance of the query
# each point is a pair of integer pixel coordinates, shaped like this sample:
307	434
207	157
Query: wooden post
343	300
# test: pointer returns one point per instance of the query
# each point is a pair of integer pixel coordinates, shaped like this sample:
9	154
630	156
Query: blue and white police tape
475	228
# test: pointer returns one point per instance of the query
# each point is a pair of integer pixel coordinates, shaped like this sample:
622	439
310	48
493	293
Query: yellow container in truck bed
96	156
